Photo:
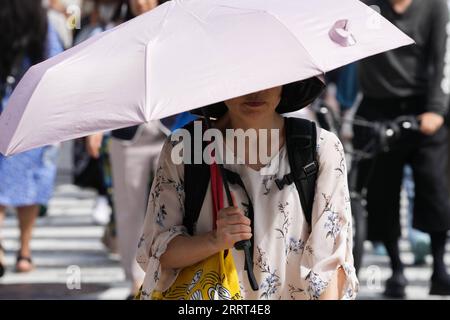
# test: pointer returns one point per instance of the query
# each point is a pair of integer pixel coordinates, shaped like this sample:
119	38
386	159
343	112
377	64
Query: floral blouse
292	260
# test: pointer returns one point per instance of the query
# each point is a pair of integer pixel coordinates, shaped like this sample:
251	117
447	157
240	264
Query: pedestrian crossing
67	251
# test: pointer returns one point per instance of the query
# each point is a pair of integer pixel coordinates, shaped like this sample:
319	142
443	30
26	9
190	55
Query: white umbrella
183	55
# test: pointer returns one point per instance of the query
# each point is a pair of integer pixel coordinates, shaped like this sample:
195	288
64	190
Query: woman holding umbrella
293	260
186	54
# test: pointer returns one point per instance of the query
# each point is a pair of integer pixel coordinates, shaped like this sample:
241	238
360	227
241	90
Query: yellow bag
214	278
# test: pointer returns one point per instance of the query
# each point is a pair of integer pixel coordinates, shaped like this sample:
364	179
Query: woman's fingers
226	239
230	211
238	228
241	236
232	226
233	217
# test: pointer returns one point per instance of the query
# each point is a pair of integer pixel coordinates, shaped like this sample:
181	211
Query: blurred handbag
87	171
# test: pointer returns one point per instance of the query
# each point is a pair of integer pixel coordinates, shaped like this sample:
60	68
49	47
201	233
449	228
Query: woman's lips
254	104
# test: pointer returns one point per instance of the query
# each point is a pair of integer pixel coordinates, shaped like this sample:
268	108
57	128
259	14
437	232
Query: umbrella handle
244	244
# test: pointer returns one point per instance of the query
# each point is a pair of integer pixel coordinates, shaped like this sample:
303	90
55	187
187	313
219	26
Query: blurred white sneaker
102	211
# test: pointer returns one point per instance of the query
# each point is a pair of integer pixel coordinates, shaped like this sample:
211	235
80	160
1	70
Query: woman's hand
183	251
335	286
232	226
430	123
93	144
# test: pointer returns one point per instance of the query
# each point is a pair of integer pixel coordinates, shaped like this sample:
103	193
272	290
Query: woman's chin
252	111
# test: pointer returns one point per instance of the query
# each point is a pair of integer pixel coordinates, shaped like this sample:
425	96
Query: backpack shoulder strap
196	180
301	142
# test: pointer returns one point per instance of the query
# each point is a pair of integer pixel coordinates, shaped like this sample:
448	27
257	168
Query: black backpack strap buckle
310	169
285	181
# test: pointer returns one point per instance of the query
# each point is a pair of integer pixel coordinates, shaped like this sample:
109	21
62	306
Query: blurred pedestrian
101	16
63	15
91	155
134	153
26	179
412	80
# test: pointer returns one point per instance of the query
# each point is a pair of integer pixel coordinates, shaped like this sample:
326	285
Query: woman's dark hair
124	13
23	31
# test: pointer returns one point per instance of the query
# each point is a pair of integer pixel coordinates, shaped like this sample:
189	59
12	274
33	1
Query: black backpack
301	142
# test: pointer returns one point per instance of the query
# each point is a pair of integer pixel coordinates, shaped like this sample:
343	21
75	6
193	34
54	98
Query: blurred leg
132	164
432	206
129	217
440	281
419	241
2	262
27	217
2	217
394	255
383	206
396	284
383	178
438	241
431	203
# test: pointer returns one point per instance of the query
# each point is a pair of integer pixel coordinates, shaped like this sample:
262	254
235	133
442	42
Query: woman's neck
271	123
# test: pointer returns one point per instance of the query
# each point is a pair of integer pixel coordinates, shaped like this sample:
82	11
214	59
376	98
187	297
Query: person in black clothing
413	80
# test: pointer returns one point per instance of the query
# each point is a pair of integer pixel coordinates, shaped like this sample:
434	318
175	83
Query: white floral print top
292	260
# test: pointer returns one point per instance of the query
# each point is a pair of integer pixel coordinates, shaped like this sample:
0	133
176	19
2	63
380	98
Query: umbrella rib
296	39
164	20
148	113
190	12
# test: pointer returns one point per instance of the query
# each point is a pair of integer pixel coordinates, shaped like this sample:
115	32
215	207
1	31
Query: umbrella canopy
183	55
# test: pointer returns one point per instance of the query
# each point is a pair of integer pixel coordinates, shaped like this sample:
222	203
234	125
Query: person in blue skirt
26	179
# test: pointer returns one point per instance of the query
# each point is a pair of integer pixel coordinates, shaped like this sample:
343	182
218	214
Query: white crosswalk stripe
65	244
